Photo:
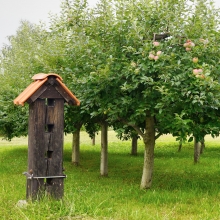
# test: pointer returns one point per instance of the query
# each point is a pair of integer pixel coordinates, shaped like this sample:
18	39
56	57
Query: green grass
181	190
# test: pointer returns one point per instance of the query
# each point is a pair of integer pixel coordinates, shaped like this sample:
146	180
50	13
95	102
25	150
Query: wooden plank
50	115
36	140
55	165
36	146
55	187
37	94
48	141
51	92
35	188
64	94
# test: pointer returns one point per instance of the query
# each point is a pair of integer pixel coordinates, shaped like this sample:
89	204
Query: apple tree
150	81
153	67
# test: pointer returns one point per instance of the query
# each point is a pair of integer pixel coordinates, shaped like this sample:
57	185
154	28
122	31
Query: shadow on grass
174	171
186	152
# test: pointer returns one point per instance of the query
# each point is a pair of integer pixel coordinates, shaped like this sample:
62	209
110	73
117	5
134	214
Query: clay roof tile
39	80
68	92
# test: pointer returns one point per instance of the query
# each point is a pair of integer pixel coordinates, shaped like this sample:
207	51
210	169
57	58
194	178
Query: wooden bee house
46	97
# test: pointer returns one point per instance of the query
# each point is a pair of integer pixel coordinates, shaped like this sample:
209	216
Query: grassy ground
181	190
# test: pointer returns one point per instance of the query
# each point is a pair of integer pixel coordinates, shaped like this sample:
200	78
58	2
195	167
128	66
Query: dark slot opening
50	102
49	154
49	128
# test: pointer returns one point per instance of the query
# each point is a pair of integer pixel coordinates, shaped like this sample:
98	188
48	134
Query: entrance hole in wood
49	154
50	102
49	128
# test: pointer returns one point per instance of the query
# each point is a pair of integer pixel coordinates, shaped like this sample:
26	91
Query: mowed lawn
181	190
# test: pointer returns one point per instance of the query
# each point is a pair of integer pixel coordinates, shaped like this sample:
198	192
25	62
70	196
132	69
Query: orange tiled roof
39	80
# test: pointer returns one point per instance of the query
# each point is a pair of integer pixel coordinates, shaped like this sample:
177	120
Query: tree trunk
202	146
104	149
76	147
134	145
149	142
197	150
180	146
93	140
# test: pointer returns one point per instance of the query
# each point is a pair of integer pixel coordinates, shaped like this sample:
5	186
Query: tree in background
32	50
18	64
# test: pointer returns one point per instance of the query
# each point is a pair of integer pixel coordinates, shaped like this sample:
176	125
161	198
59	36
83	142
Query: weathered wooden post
46	97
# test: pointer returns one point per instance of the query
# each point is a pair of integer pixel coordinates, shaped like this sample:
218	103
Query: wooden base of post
37	188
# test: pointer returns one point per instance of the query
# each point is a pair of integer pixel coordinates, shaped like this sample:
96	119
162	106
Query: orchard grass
181	190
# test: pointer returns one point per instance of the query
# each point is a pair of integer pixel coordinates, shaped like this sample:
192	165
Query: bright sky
13	11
